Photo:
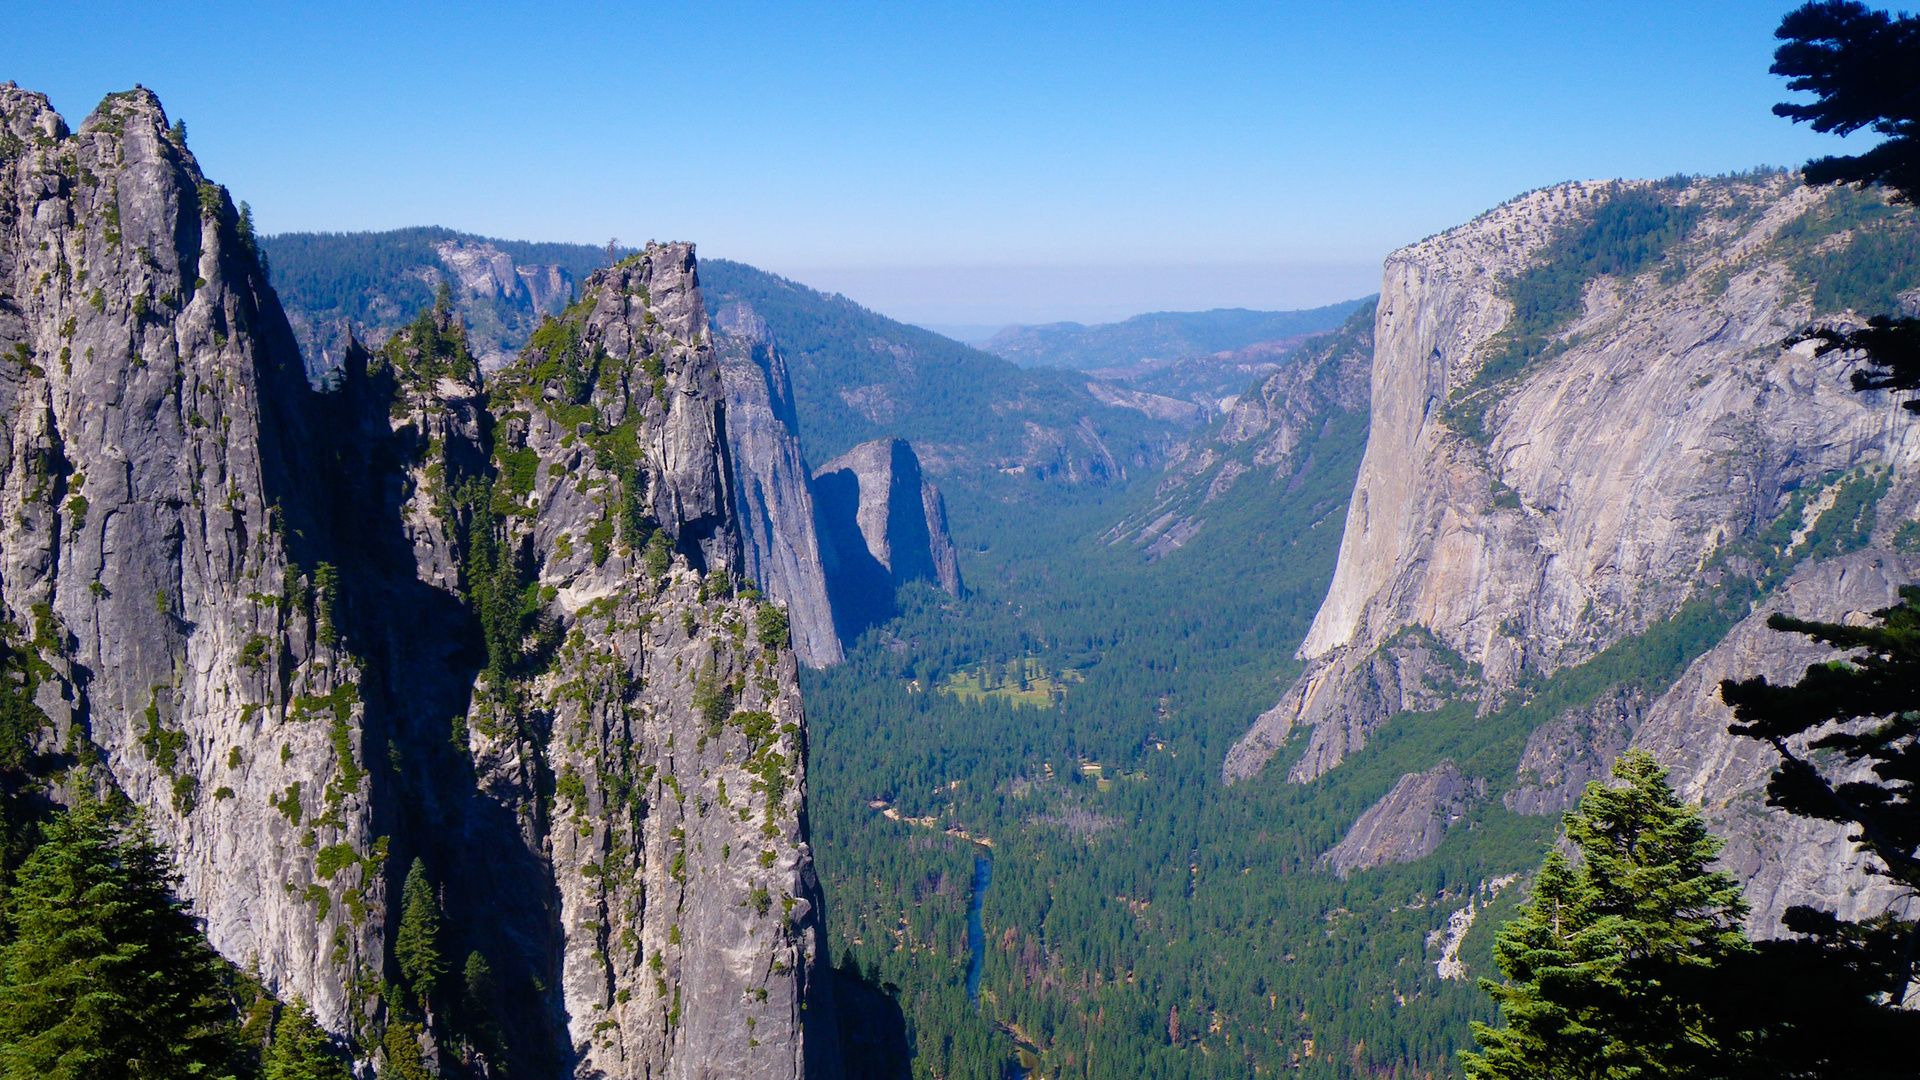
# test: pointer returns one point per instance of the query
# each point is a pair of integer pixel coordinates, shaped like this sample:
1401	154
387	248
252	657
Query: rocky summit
488	630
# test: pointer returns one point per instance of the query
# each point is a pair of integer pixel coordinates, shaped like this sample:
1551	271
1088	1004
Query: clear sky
959	162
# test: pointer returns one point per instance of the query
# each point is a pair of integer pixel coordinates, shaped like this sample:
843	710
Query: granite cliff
775	494
1556	510
881	526
493	628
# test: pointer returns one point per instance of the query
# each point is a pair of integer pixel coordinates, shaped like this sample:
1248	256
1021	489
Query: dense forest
1142	919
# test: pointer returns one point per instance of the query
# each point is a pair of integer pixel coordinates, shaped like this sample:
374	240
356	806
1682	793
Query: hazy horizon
990	164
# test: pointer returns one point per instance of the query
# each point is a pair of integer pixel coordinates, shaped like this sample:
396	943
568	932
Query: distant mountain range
1160	335
974	417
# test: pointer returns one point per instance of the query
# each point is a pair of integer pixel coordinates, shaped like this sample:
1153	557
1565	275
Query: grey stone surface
156	456
1781	860
774	489
1408	822
881	525
255	599
1672	422
1567	753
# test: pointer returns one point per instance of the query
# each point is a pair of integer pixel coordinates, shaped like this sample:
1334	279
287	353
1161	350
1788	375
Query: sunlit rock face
1524	519
273	617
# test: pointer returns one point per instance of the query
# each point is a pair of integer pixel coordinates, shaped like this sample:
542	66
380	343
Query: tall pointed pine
417	943
106	973
301	1049
1602	963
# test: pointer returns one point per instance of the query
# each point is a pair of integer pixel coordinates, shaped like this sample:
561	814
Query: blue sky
954	163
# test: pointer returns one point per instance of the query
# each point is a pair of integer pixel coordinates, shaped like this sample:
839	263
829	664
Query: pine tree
480	1006
106	973
417	943
301	1049
1601	961
1841	716
403	1058
1874	699
1863	68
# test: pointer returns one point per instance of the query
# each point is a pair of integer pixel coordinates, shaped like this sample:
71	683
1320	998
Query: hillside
374	282
1160	335
856	375
973	417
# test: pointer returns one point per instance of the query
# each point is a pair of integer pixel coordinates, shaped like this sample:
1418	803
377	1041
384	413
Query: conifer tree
1863	68
403	1058
481	1003
1863	711
301	1049
106	973
1598	961
417	943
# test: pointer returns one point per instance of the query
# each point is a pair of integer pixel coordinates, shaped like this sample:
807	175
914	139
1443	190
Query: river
976	933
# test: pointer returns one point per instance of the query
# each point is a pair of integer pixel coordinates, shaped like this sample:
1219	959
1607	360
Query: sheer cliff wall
495	628
1527	503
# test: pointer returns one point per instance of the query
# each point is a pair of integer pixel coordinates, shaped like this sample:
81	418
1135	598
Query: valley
543	659
1163	902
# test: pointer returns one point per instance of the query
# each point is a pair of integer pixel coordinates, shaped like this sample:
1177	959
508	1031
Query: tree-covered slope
372	283
1145	918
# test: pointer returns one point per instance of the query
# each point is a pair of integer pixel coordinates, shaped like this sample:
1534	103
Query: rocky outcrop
775	500
158	542
881	525
1408	822
324	637
1781	860
1656	459
1574	749
1529	518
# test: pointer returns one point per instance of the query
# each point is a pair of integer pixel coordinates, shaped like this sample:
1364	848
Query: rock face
324	637
774	494
157	540
1781	860
1531	523
1567	753
365	286
1408	823
1664	447
503	301
881	526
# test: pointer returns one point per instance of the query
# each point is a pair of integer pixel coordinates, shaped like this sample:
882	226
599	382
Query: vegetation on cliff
104	972
1663	984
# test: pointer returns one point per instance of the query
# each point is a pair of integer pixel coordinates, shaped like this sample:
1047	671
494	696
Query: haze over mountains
763	687
1160	335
